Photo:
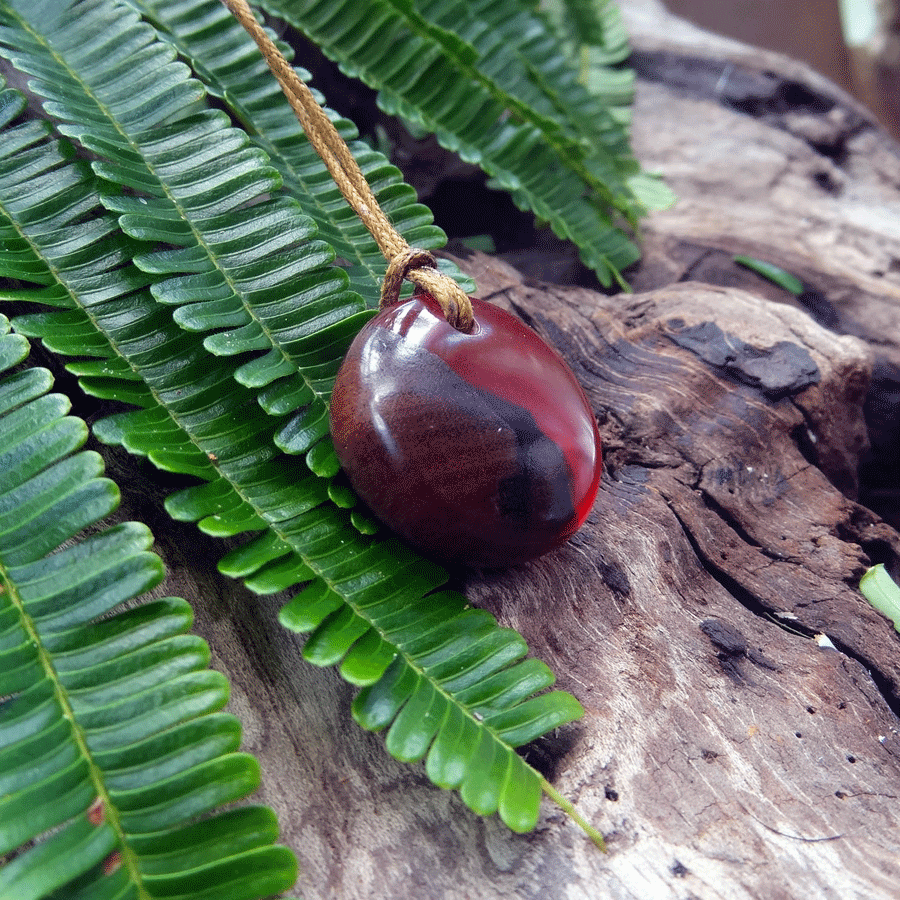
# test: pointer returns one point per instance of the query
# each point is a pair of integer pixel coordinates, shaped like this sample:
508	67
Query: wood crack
757	605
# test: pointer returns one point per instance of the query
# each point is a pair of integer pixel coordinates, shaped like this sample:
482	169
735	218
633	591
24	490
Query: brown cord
416	265
406	264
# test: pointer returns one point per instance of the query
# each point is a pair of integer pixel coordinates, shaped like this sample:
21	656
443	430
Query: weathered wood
741	737
771	160
767	159
725	752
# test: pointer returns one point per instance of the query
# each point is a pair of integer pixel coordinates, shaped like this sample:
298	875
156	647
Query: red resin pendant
477	448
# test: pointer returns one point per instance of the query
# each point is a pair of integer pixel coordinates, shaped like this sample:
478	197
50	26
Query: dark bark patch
780	370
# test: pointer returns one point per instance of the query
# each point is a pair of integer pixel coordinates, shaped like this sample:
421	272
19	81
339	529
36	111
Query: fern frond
369	605
231	67
112	739
253	275
518	50
597	24
582	19
491	94
593	34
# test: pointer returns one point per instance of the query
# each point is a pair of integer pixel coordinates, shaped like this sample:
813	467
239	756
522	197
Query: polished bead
477	448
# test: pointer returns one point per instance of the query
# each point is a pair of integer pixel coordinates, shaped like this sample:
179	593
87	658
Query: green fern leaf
232	69
593	24
256	276
369	604
110	726
488	93
519	51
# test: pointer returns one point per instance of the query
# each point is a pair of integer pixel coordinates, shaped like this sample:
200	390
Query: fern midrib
129	858
198	236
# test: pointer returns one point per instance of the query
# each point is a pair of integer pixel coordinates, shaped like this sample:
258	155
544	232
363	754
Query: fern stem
569	809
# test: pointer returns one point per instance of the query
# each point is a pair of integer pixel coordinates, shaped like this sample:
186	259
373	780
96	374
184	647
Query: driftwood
741	736
772	161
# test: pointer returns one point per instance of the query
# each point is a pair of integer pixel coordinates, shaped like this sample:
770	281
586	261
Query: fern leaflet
112	739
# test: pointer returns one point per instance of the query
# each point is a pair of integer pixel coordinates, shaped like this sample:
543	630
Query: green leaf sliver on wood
882	592
112	739
773	273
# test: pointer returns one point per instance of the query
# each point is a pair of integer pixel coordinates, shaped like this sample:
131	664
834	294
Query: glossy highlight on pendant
476	448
